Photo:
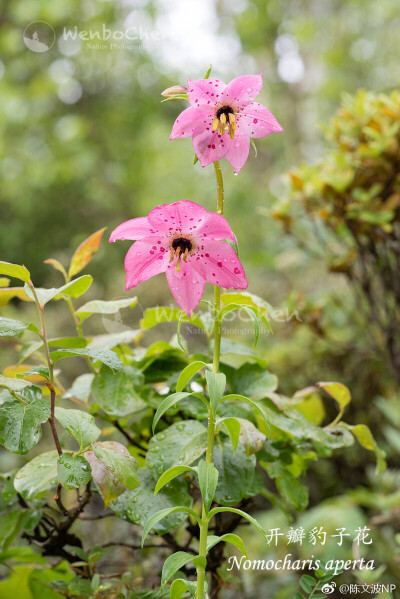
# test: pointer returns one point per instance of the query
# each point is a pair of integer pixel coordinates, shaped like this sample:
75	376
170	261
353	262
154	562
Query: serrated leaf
37	476
73	471
107	357
122	466
85	252
176	561
105	307
208	480
74	288
15	270
170	474
20	425
79	424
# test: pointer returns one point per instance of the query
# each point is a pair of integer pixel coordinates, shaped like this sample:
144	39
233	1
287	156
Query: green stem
201	571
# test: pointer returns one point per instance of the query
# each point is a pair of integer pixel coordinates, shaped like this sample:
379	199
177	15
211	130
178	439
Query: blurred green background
85	144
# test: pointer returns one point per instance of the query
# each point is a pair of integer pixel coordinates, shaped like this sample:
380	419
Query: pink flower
186	242
222	118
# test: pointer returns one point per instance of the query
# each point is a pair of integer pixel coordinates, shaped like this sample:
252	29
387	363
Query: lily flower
186	242
222	118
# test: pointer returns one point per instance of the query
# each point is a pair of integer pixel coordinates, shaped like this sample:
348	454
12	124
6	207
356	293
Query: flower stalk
211	415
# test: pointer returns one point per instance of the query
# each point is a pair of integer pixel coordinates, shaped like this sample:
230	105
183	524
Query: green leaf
108	484
250	311
85	252
250	437
79	424
74	288
15	270
188	373
123	467
167	403
253	403
20	425
254	381
73	471
56	264
10	327
253	521
366	439
180	587
288	486
180	444
9	293
170	474
160	515
67	342
208	479
244	298
107	357
118	395
37	476
176	561
154	316
206	76
216	382
236	473
232	426
42	371
253	146
338	391
105	307
307	583
138	505
233	539
13	384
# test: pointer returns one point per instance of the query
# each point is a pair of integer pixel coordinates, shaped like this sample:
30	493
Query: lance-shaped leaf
74	288
109	485
216	382
170	401
105	307
232	426
15	270
176	561
122	466
57	265
79	424
20	424
208	480
85	252
170	474
180	587
188	373
253	521
250	311
10	327
233	539
73	471
37	476
154	518
154	316
106	356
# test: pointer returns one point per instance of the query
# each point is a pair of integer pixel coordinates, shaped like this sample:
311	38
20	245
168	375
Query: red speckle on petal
236	271
255	121
219	264
207	255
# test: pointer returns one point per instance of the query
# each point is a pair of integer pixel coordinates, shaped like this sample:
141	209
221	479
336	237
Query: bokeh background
85	144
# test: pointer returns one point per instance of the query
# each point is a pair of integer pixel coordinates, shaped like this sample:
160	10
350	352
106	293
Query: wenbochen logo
39	36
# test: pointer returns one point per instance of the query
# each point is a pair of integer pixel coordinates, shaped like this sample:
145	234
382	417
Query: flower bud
175	93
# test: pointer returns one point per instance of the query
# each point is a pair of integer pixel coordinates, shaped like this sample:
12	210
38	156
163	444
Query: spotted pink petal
189	119
241	91
222	266
205	91
256	121
187	286
215	226
209	145
184	216
135	228
146	258
238	151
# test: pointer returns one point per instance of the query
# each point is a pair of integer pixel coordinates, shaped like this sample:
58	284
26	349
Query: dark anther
183	244
226	110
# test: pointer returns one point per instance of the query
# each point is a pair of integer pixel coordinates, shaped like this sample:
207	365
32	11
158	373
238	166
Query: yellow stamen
222	118
178	264
222	129
171	255
233	125
231	117
215	124
231	133
185	255
178	251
